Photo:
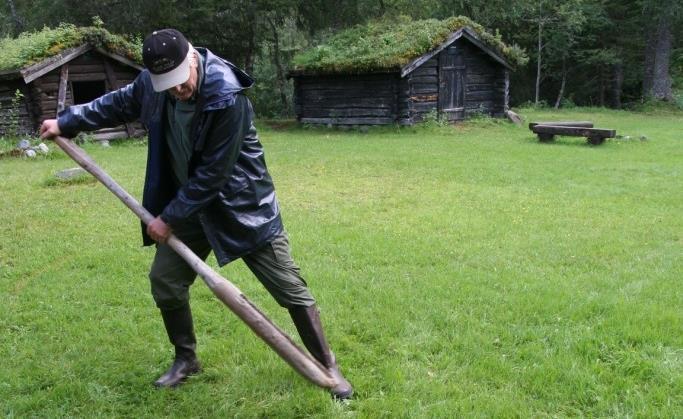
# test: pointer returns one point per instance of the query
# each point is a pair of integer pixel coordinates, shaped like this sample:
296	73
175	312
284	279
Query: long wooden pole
228	293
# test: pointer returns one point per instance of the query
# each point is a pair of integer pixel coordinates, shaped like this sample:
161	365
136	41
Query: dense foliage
390	44
616	53
31	47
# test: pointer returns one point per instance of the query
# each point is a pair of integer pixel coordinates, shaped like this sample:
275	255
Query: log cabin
465	71
39	89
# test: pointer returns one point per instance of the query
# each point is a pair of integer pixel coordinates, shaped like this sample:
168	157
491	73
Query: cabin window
85	91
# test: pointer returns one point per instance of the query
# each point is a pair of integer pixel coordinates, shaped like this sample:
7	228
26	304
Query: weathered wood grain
61	95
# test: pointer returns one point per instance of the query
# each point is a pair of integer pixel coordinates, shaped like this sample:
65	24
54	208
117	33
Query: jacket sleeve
226	131
109	110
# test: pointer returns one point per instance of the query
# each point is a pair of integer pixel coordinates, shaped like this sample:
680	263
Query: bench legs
596	140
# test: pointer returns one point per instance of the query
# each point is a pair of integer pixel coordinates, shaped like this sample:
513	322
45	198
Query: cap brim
178	75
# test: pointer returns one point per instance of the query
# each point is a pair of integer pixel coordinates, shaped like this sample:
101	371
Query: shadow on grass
565	142
83	179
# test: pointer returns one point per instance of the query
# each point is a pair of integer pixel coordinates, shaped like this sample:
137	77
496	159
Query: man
207	183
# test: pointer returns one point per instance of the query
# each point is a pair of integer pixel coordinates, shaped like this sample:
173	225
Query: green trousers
171	276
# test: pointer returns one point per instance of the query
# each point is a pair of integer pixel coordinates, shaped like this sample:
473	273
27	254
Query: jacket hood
222	81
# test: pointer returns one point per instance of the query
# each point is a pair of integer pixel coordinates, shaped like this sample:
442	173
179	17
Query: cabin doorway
452	84
86	91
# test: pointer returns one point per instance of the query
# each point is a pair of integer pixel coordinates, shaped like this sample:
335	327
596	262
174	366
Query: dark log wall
16	117
88	67
485	80
347	100
423	91
386	98
41	95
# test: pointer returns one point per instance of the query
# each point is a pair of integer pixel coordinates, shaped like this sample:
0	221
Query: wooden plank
486	96
63	80
363	85
349	95
434	97
115	135
480	87
506	104
574	131
86	68
423	107
347	113
348	121
120	59
425	71
425	90
88	77
341	106
36	70
582	124
430	79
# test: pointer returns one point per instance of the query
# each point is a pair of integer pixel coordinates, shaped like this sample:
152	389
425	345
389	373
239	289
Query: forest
606	53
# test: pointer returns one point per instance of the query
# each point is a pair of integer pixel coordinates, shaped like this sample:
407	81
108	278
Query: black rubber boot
180	331
307	322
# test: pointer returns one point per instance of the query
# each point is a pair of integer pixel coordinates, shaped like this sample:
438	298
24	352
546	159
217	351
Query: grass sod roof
32	47
388	45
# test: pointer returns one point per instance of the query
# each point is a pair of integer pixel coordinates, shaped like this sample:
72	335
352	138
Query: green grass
461	271
389	44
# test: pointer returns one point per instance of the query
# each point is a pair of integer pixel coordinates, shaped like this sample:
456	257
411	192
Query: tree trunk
16	20
603	87
657	79
538	61
278	66
563	84
617	83
251	38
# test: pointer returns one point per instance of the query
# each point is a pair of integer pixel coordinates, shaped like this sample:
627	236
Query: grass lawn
461	271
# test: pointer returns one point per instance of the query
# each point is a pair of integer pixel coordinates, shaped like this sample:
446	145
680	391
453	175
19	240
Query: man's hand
49	129
158	230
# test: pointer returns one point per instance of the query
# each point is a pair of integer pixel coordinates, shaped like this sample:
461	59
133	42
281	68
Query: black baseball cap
165	54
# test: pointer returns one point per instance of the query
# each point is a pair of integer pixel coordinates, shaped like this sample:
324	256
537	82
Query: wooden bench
547	131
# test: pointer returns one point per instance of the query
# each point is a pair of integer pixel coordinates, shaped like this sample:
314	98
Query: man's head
172	63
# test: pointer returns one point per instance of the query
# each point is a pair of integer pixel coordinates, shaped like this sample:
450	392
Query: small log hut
74	76
460	77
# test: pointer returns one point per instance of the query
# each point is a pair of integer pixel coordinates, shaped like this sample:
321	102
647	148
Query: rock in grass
513	117
23	145
43	148
105	143
69	174
30	153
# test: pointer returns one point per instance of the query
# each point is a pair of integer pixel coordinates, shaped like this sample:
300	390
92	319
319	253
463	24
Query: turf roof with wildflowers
390	44
32	47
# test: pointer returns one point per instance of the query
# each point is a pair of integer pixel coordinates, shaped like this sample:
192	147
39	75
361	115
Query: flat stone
69	174
513	117
23	144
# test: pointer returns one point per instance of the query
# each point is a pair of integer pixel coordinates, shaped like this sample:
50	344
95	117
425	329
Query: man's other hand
49	129
158	230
